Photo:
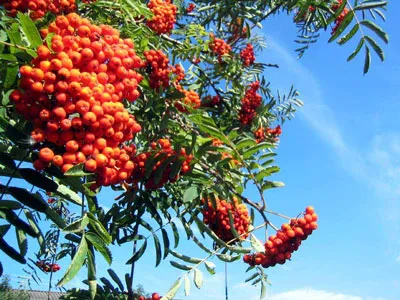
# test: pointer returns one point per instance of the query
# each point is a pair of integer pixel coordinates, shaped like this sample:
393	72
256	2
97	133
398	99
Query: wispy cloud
214	290
311	294
376	164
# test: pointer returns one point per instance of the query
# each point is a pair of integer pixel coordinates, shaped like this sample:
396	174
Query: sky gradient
341	155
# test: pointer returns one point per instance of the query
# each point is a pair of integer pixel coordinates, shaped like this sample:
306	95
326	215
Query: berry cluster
162	156
280	247
303	17
217	218
164	17
247	55
157	65
341	17
250	103
154	296
191	7
191	99
213	101
219	47
237	34
178	72
38	8
73	95
225	155
47	267
265	133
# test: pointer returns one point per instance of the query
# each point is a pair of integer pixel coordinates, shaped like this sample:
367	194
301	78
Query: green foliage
226	155
7	293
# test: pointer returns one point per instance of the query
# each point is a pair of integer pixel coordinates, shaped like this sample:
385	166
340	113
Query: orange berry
58	160
46	155
101	160
90	165
72	146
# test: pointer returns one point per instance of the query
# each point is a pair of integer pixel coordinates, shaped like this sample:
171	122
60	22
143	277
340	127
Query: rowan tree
166	103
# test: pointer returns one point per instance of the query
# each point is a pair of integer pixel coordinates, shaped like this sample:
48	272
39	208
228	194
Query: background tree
7	292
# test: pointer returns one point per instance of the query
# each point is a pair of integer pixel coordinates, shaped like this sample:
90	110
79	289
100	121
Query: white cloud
398	259
311	294
376	164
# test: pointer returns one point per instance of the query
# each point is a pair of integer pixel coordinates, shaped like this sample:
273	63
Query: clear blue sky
341	155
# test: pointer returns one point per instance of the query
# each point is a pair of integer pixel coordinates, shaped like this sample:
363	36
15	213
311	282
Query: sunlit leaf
76	263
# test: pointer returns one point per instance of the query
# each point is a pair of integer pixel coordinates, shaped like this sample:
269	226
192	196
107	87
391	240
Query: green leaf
198	278
128	281
30	30
227	257
185	257
7	161
4	229
99	245
10	204
349	35
375	28
28	199
138	254
73	238
255	149
211	233
207	125
187	285
370	5
55	217
173	290
367	61
180	266
11	252
34	226
343	25
116	279
11	76
76	263
252	277
232	225
130	238
15	37
68	194
376	47
201	245
356	51
263	291
99	228
107	284
8	57
22	241
77	171
157	246
176	234
256	244
13	219
267	172
91	274
190	194
165	242
210	266
38	179
272	184
244	143
78	225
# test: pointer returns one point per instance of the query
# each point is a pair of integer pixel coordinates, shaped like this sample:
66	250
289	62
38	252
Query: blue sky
341	155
